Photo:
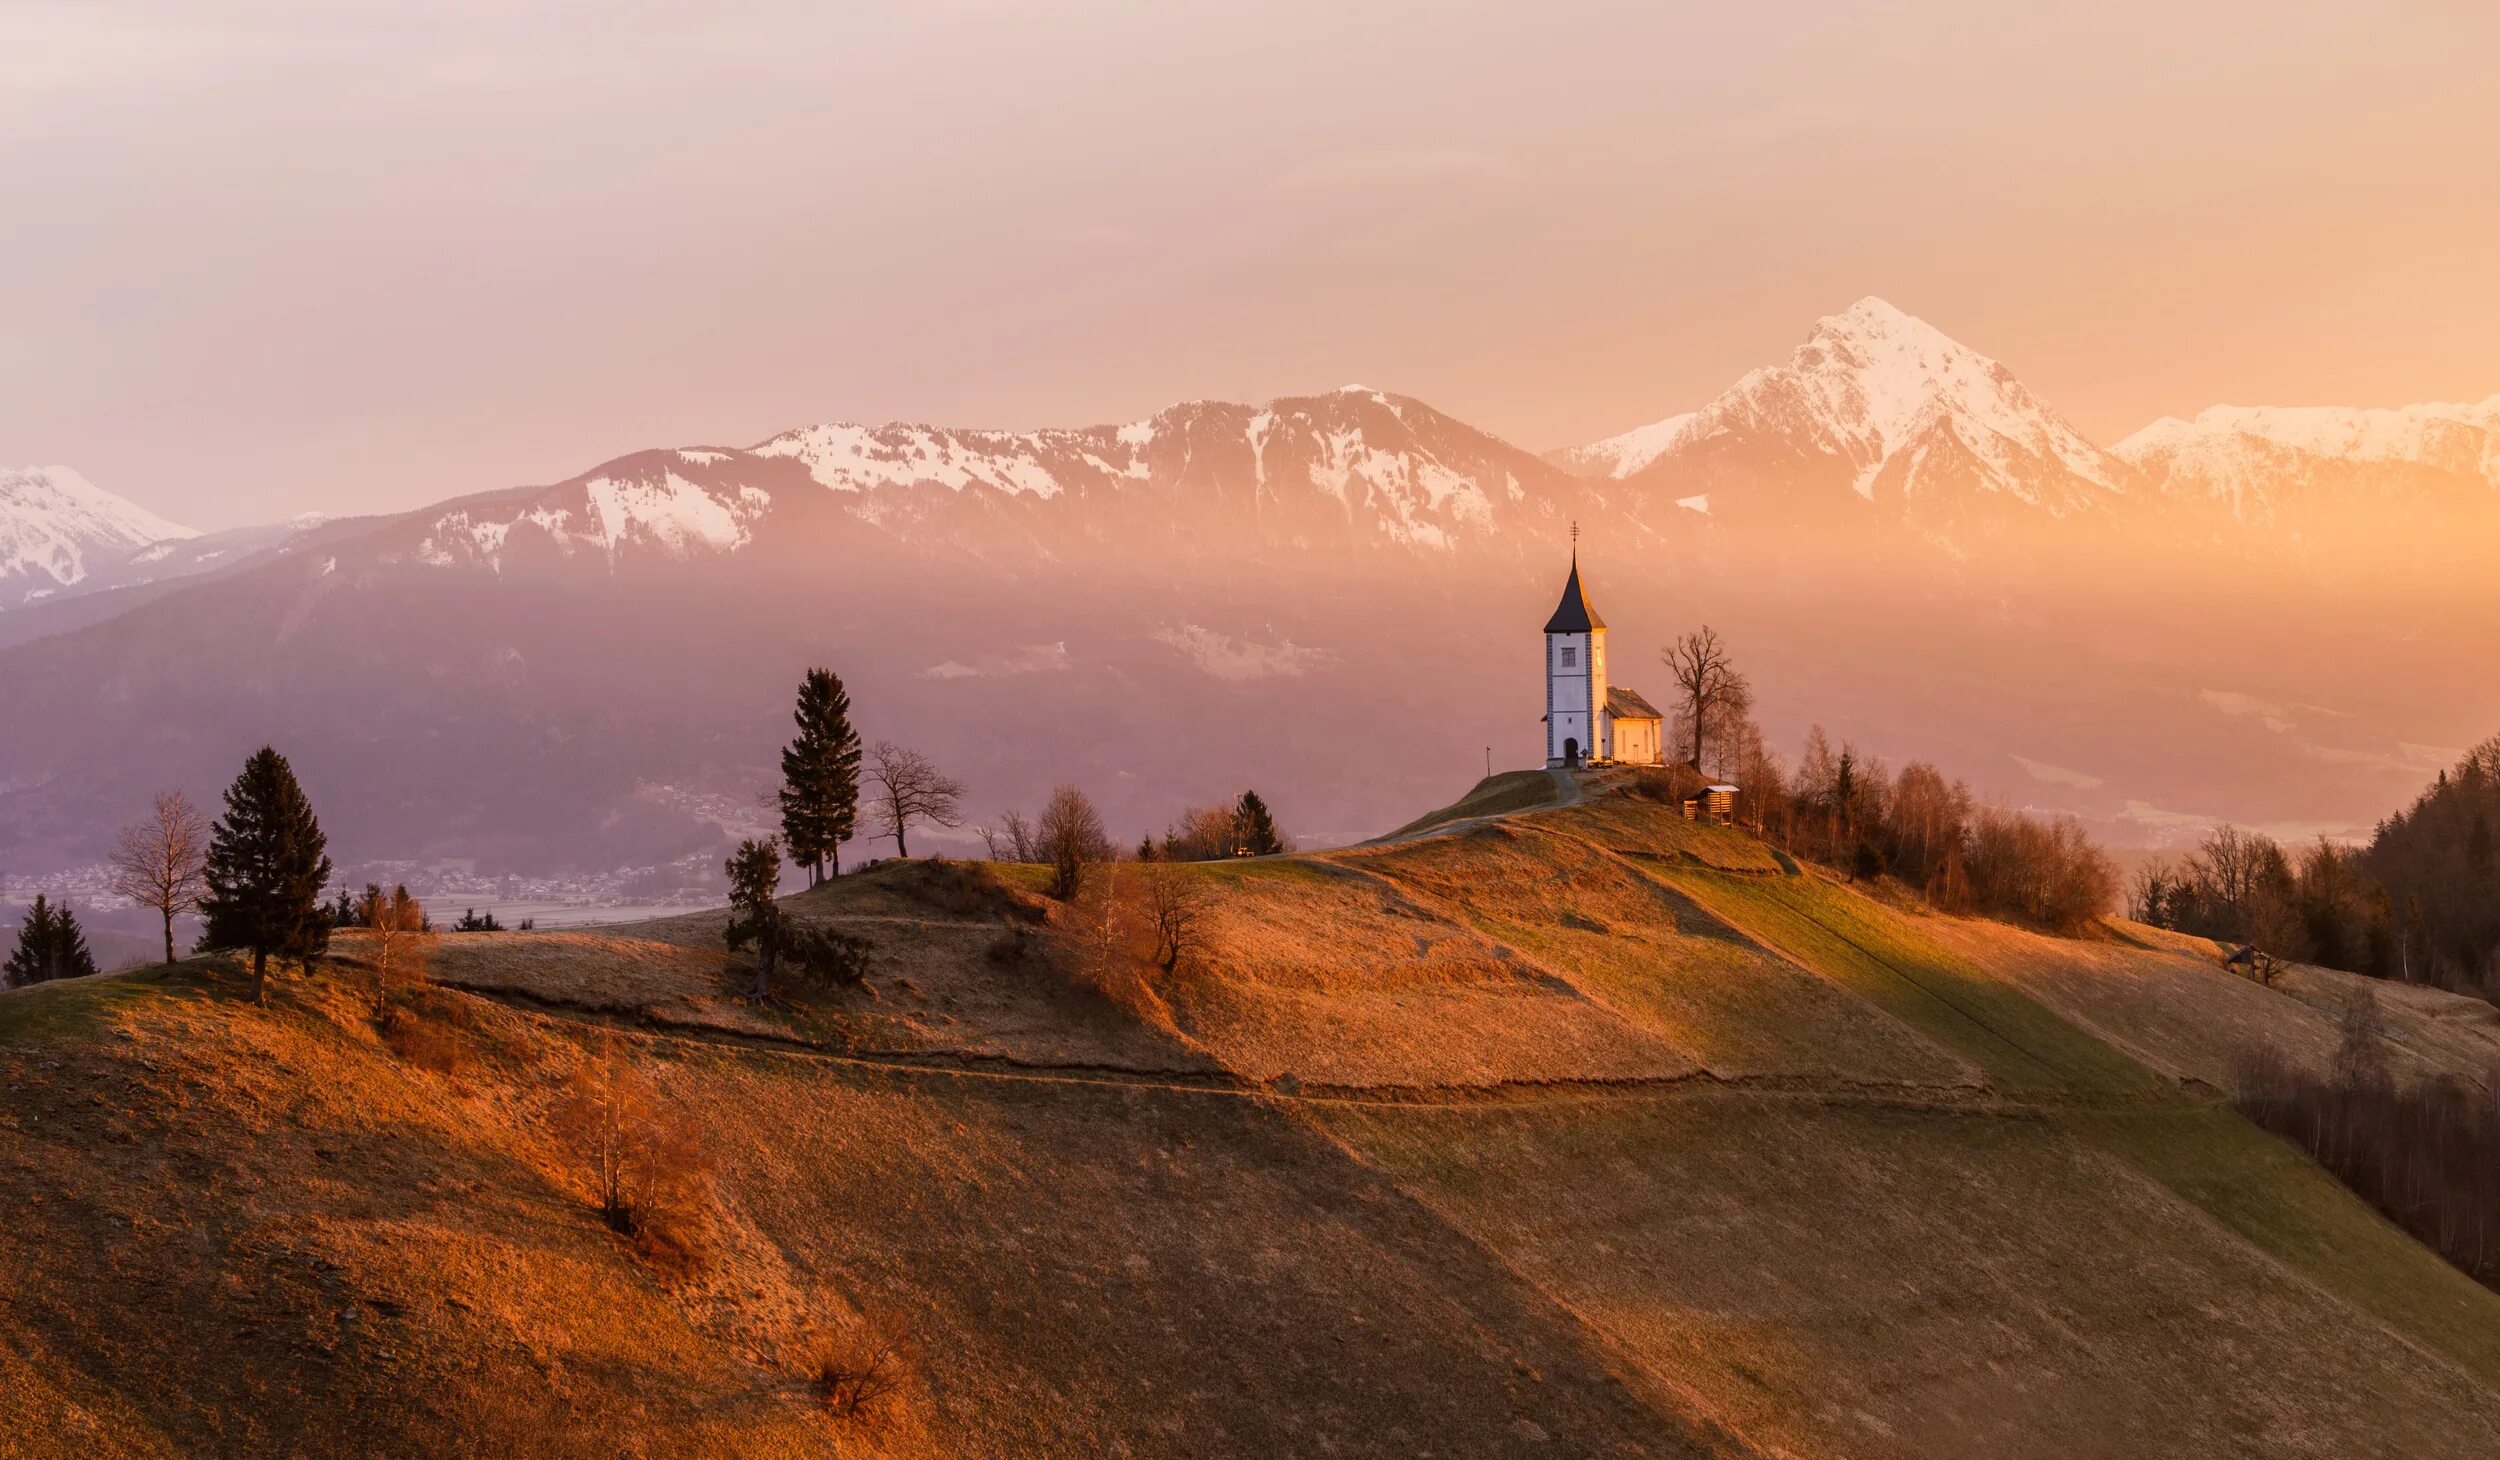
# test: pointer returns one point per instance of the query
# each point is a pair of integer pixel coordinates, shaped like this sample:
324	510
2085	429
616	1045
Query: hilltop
1554	1124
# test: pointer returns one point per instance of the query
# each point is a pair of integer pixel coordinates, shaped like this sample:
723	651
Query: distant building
1587	720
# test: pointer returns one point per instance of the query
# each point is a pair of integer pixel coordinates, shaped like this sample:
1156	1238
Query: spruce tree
754	877
267	864
50	945
820	777
31	961
1254	830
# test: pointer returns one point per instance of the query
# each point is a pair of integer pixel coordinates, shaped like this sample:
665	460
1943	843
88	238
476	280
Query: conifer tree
754	877
1254	830
820	777
267	864
50	945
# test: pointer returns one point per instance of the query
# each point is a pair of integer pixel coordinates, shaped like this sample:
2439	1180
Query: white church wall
1571	666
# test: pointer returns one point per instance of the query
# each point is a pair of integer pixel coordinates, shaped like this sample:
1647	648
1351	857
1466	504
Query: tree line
2424	1152
1854	813
2420	903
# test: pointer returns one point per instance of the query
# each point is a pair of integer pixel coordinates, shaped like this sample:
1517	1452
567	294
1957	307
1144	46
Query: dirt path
962	1065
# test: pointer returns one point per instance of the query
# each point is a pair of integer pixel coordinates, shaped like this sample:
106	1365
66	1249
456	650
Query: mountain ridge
2262	461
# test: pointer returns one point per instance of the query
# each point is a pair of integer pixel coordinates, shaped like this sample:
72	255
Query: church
1587	720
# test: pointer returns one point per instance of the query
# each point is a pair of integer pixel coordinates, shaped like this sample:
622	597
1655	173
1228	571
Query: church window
1570	657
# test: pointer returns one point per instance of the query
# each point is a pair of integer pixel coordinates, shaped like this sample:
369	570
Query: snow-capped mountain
1352	470
57	528
2264	462
1878	406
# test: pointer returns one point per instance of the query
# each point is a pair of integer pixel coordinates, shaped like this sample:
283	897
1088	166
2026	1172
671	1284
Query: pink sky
259	258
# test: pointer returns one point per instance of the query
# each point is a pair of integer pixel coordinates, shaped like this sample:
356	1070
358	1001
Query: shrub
1665	785
425	1035
649	1173
861	1368
1015	947
826	956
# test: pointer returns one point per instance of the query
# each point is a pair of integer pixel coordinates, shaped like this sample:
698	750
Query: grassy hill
1551	1127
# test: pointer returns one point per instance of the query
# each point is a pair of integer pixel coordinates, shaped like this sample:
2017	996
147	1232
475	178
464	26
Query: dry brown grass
605	970
264	1231
2183	1015
1837	1282
1327	971
430	1032
1625	825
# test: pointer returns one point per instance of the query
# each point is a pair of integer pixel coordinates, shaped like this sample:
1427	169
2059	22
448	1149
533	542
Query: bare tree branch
910	790
157	863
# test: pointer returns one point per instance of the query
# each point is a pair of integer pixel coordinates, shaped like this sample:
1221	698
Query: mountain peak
1874	313
1890	400
56	527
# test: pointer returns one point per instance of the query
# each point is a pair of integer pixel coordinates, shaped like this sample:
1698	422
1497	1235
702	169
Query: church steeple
1575	675
1574	615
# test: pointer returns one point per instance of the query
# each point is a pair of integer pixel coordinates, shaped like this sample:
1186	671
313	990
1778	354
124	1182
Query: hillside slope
1561	1129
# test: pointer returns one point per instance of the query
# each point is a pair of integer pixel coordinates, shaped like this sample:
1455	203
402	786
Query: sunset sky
260	258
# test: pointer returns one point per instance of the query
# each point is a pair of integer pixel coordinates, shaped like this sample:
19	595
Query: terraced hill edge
1562	1126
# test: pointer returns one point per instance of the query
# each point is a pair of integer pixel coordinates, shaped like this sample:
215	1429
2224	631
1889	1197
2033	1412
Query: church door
1571	754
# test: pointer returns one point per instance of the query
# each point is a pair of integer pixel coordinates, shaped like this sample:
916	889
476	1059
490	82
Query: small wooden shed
1716	804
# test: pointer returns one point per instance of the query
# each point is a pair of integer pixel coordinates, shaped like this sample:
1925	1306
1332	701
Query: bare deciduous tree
1012	840
157	863
1070	835
862	1367
911	790
647	1167
399	938
1176	904
1203	834
1699	662
1106	939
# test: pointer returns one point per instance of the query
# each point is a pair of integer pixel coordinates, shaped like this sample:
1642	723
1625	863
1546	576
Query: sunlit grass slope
1567	1127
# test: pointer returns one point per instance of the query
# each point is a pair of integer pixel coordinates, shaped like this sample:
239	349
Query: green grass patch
1881	956
2297	1213
49	1011
1493	796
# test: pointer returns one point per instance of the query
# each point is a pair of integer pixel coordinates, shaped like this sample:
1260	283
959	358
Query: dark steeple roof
1574	615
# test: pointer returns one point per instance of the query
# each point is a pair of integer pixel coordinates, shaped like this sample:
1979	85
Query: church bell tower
1575	674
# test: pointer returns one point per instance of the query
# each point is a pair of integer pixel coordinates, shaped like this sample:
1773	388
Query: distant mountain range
1324	593
2263	463
1876	410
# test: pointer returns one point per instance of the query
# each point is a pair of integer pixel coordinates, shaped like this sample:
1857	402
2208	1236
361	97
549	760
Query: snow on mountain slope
1885	406
1620	456
672	504
56	528
1351	469
2262	460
